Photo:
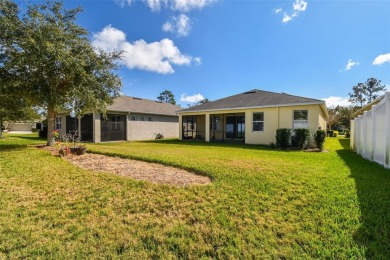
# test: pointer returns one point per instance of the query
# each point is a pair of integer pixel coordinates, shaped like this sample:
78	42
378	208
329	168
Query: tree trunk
51	117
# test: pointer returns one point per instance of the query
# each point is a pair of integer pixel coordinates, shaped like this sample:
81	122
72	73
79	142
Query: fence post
352	135
373	137
387	130
365	134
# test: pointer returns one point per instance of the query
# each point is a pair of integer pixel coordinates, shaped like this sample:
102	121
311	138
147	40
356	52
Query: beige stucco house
251	117
127	119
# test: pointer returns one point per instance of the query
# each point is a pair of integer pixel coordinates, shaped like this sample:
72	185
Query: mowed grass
263	203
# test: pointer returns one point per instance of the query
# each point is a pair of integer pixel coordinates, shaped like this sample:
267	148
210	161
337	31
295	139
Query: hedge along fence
370	133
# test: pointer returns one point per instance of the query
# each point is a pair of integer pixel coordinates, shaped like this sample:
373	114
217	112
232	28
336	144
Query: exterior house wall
62	131
270	125
201	124
22	126
96	127
274	118
168	126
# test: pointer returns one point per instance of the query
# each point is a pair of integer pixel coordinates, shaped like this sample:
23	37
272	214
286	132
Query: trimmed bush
335	133
283	137
301	138
347	134
319	139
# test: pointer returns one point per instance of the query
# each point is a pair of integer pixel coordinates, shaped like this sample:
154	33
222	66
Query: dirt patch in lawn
139	170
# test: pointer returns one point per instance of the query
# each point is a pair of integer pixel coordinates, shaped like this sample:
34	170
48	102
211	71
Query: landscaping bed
138	170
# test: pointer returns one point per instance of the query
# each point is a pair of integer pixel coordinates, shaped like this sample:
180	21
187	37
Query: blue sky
217	48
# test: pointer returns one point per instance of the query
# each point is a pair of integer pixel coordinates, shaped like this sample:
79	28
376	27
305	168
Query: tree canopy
47	58
366	92
167	97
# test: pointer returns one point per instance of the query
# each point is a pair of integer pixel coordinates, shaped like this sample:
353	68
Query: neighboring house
21	126
129	118
251	117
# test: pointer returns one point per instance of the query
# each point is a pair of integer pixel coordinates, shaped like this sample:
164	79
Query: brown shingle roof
254	98
141	105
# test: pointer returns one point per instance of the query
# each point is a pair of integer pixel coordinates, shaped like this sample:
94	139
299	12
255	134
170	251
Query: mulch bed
139	170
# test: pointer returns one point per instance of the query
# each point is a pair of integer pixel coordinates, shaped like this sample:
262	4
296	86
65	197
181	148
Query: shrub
335	133
319	138
283	137
301	138
347	133
329	133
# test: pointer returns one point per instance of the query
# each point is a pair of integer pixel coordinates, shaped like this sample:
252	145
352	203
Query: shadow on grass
7	147
373	189
31	138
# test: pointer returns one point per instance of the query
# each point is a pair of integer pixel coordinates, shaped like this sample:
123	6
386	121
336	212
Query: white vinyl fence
370	133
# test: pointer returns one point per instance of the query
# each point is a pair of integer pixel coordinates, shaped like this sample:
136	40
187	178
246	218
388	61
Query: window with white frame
301	119
141	118
58	123
133	118
258	122
149	118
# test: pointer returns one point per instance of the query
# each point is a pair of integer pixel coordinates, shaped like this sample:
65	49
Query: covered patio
221	127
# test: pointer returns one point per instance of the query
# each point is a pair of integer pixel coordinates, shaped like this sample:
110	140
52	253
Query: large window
258	122
235	127
301	119
215	123
116	123
58	123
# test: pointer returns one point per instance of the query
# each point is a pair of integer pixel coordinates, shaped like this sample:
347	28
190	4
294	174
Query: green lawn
263	203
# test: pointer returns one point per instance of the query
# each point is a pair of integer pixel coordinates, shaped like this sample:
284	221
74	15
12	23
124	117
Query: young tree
51	61
167	97
371	89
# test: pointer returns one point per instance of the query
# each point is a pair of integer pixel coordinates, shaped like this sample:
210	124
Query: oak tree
50	61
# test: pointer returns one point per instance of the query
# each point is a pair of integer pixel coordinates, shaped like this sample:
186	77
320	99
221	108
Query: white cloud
350	64
178	5
300	5
191	99
286	18
122	3
336	101
155	56
188	5
198	60
155	5
180	25
381	59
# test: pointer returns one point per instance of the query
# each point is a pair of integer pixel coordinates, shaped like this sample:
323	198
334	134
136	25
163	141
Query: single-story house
19	126
127	119
251	117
